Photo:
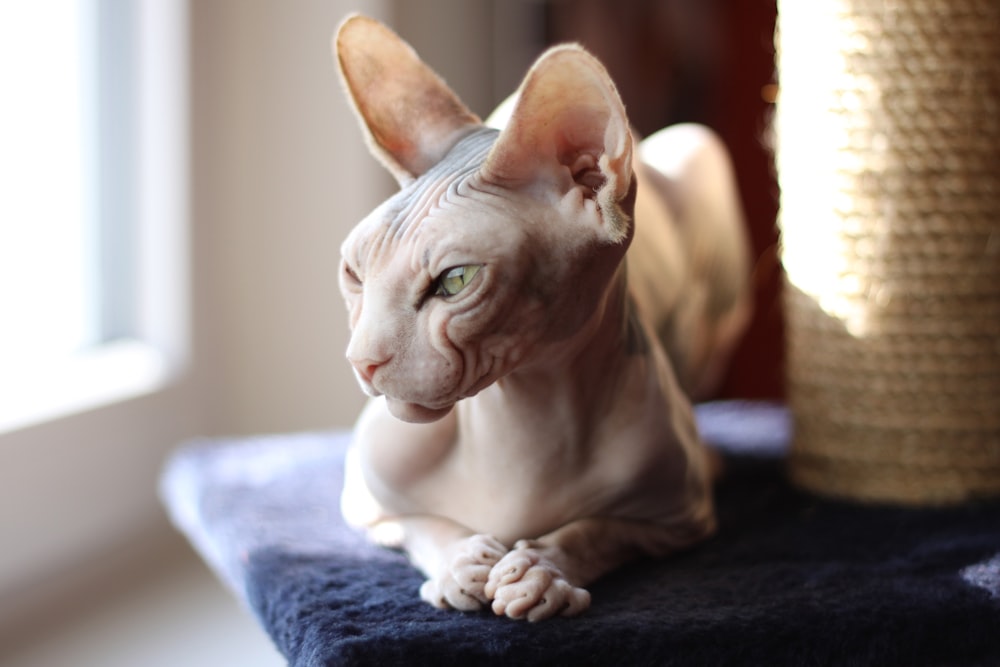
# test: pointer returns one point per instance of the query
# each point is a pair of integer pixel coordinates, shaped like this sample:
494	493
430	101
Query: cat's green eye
454	280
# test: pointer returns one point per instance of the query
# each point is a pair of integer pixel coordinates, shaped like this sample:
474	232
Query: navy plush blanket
789	579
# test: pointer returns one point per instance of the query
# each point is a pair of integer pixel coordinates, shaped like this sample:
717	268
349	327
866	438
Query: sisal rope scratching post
888	153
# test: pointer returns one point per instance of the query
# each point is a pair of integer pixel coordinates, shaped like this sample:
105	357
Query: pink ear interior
568	115
410	115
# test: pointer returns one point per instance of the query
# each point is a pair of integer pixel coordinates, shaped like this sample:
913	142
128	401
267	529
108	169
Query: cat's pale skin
527	432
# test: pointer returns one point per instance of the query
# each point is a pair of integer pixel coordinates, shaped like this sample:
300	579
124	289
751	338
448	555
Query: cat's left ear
410	116
568	127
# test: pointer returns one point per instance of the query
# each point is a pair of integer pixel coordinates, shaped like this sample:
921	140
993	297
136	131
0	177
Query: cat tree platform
790	579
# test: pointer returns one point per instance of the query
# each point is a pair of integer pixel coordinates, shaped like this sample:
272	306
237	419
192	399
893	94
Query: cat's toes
446	593
540	594
511	568
560	599
473	561
525	585
462	585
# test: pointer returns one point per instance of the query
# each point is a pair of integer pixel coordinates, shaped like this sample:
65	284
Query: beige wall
279	175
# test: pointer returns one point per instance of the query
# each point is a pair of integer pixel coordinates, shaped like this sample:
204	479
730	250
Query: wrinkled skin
527	431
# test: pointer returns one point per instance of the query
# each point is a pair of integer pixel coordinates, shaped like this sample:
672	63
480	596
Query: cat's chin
415	413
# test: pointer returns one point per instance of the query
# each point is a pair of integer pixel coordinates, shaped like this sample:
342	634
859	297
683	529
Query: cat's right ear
567	128
411	118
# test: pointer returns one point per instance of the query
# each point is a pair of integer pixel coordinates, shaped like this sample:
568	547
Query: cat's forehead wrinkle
406	226
366	238
443	187
443	179
466	221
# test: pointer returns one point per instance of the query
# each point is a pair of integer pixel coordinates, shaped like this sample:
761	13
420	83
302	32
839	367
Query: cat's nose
365	368
367	353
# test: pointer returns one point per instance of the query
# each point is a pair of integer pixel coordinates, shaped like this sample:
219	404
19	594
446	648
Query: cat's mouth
416	413
409	411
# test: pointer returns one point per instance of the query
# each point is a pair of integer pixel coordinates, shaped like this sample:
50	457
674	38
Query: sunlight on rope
817	169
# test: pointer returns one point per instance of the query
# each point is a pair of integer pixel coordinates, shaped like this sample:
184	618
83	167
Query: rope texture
903	406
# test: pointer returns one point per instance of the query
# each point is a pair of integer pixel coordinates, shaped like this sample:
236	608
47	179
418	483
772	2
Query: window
72	229
46	211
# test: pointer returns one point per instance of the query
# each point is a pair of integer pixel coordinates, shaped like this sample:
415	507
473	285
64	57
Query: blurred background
175	181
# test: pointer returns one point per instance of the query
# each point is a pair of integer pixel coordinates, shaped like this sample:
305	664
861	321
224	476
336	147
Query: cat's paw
461	585
525	584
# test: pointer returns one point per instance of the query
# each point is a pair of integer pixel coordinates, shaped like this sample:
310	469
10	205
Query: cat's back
688	265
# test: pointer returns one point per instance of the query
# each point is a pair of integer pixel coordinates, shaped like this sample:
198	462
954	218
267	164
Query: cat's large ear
568	126
410	116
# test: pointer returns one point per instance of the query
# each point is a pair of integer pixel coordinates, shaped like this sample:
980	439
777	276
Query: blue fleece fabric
790	579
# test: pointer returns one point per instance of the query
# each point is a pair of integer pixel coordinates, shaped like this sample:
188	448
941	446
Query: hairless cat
532	314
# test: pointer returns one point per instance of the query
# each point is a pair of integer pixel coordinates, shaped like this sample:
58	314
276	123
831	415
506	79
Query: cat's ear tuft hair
411	118
568	116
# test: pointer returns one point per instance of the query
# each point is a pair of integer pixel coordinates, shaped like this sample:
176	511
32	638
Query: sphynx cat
528	431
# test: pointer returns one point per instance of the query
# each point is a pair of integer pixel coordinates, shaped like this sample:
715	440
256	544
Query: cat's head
500	246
